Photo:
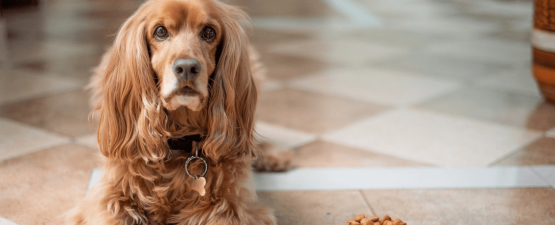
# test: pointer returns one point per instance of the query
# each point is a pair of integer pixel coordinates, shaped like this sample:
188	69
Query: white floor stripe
399	178
356	14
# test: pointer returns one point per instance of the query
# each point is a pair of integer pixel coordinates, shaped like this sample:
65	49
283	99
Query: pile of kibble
374	220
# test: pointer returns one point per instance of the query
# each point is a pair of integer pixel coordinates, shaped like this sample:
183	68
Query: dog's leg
273	158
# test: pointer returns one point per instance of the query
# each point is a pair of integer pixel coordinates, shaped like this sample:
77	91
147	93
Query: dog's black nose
186	69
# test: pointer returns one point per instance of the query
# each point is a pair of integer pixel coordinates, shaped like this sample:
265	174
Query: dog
176	97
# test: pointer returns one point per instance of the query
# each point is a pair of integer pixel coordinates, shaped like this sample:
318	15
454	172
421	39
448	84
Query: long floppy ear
233	94
131	120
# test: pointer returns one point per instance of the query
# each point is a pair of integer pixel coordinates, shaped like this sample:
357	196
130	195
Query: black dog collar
184	143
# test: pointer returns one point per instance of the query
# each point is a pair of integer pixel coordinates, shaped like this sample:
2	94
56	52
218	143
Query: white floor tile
484	50
520	80
398	178
18	139
375	86
96	176
433	138
88	140
6	222
547	173
550	133
284	137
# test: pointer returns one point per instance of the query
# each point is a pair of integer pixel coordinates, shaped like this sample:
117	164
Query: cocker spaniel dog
176	96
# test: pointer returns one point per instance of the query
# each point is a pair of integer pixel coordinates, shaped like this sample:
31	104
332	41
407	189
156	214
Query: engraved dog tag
198	185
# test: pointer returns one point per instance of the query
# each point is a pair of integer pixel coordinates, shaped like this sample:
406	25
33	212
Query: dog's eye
161	33
208	33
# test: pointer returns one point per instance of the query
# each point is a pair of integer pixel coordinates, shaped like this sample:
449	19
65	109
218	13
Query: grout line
516	150
367	204
540	176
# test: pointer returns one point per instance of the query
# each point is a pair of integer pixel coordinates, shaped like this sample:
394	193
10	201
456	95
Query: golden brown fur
145	182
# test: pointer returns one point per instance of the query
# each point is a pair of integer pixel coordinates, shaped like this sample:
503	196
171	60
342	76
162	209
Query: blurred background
426	110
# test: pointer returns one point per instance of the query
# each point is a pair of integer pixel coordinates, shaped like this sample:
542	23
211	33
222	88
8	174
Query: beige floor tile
39	187
312	113
541	152
325	154
285	67
351	53
510	108
433	138
315	207
466	206
18	85
18	139
65	113
520	80
385	87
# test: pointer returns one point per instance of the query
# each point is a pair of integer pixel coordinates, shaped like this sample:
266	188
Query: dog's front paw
273	158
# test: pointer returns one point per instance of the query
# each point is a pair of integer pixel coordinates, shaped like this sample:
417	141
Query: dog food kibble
374	220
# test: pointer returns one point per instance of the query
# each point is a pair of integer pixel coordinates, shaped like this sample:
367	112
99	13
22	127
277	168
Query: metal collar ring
193	158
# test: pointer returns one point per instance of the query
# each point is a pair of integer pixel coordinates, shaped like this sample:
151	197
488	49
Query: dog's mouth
187	91
185	96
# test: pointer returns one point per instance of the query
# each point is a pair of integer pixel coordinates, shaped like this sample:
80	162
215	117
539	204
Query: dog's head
172	61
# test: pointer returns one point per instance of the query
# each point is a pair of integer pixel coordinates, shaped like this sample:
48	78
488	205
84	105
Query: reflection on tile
541	152
284	137
324	154
520	80
398	178
18	139
499	106
375	86
466	206
547	172
315	207
312	113
43	185
433	138
17	85
66	113
352	53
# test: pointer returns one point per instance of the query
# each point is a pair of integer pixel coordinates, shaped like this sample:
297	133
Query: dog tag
198	185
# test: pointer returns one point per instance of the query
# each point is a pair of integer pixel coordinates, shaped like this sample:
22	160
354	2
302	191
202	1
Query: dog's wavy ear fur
131	121
233	93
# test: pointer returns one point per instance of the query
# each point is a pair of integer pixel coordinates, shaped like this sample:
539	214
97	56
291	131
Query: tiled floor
425	110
